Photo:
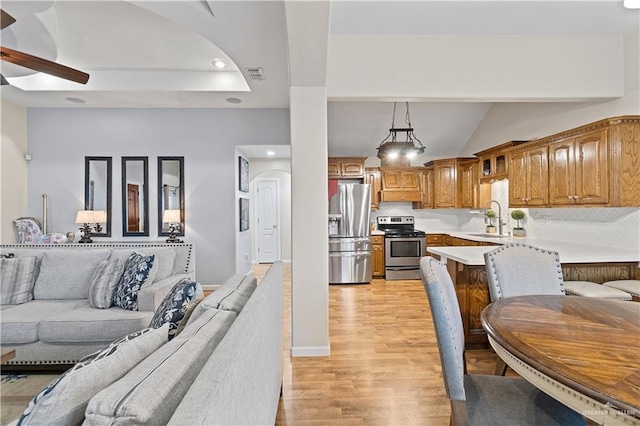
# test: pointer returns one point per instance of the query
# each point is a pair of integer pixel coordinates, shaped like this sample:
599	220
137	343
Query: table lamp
172	217
85	217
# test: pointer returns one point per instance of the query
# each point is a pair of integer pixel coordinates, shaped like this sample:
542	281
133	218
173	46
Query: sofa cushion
65	274
65	399
87	324
17	277
183	297
20	324
230	296
150	393
104	281
163	264
137	271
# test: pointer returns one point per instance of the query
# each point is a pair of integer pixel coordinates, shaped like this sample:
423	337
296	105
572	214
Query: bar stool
591	289
630	286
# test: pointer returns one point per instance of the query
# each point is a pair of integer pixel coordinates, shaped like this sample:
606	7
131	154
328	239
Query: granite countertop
569	252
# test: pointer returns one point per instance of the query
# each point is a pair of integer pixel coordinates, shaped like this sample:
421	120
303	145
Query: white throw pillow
104	281
17	277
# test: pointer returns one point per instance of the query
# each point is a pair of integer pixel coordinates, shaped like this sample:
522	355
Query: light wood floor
384	367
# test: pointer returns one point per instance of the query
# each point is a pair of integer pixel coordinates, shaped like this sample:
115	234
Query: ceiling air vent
256	74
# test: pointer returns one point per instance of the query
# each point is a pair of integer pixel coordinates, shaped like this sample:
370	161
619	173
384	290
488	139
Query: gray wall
60	138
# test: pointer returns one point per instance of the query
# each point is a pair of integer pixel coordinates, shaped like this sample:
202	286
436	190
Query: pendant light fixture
391	148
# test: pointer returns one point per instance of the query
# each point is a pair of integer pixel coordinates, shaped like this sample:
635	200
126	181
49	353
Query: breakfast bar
580	262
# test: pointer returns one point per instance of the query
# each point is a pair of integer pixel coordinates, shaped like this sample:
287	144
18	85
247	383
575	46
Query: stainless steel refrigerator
350	235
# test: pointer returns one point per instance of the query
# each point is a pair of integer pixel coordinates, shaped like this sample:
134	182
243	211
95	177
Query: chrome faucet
500	223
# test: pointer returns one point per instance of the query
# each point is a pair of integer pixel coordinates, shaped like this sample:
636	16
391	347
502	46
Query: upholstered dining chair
517	269
481	399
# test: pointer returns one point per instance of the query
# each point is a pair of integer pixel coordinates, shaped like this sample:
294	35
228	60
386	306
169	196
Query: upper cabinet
593	165
454	183
372	176
579	170
528	178
493	162
425	180
346	167
400	184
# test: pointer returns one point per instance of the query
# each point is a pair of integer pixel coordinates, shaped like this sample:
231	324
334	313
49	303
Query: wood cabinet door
537	178
444	184
425	179
518	179
372	177
467	184
562	184
592	169
377	260
333	169
352	169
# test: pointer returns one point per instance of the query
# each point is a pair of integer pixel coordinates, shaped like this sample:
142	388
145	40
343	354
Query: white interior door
268	242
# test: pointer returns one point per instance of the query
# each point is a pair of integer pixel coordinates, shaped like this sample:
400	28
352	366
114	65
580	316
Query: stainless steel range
404	246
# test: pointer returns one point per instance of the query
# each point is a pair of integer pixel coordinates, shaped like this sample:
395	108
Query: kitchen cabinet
400	184
425	180
493	164
377	256
372	176
528	177
454	182
579	171
346	167
434	240
597	164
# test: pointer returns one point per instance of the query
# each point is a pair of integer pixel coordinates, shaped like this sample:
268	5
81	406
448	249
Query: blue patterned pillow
137	271
177	305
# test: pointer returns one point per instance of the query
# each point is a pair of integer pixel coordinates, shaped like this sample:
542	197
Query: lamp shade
85	216
171	216
99	216
632	4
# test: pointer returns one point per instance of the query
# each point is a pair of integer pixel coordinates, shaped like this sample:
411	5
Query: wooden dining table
584	352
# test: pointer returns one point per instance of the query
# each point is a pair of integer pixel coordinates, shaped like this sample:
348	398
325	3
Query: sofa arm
149	297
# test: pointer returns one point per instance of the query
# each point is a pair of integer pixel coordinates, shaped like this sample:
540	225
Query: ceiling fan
35	63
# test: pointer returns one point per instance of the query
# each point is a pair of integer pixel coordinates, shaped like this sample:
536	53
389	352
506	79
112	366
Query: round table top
590	345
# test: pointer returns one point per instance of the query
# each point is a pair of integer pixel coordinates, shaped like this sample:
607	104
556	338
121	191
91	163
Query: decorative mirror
135	196
97	189
170	193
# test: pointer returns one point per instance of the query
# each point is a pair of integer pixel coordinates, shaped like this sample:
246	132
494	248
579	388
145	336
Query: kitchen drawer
435	239
377	239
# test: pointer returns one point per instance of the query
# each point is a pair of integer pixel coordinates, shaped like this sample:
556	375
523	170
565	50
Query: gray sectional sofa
59	326
223	368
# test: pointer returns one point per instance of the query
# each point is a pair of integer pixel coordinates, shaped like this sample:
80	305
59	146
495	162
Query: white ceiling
158	54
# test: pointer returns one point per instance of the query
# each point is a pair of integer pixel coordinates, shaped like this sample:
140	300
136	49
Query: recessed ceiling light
234	100
219	63
271	153
632	4
76	100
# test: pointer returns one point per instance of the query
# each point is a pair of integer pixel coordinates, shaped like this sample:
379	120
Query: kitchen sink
488	235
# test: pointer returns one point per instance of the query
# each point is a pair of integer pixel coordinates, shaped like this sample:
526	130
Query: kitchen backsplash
608	227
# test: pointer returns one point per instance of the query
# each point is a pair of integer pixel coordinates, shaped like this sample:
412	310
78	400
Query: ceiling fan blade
3	81
43	65
5	19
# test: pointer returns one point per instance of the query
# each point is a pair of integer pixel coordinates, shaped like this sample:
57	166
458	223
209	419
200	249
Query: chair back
518	270
447	322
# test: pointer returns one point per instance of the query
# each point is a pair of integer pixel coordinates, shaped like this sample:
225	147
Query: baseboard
255	262
311	351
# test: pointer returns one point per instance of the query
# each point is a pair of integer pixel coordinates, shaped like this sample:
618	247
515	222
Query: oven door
401	251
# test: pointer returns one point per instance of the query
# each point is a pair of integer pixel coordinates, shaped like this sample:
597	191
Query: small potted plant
491	215
518	231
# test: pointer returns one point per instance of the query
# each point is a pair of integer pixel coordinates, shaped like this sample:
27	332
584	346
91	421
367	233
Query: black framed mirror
97	189
170	192
135	196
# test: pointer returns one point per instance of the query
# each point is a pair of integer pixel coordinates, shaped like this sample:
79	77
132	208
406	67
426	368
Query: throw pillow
17	277
137	271
65	400
177	305
104	281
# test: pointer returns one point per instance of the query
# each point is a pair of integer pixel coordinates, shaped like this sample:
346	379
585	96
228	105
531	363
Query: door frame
256	233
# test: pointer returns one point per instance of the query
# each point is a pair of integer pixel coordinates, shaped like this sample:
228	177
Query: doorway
133	208
268	235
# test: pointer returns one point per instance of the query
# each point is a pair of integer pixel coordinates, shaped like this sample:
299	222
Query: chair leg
501	367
